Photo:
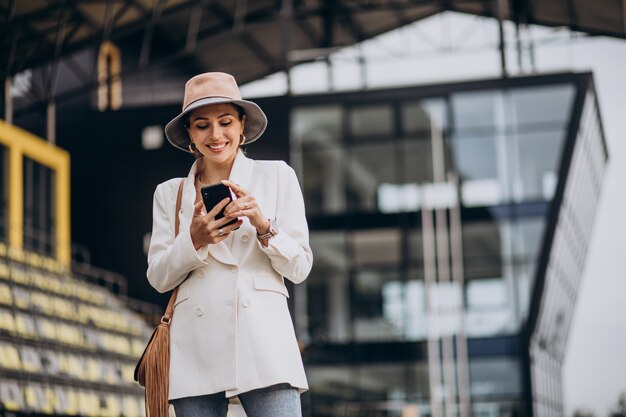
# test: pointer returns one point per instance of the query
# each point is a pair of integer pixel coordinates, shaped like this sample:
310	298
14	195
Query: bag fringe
154	370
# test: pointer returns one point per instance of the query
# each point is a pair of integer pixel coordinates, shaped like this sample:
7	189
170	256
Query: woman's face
216	131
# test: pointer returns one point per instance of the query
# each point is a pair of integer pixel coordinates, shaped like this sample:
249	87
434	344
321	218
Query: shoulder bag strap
169	311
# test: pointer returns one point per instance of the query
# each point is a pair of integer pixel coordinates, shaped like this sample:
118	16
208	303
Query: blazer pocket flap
270	282
183	294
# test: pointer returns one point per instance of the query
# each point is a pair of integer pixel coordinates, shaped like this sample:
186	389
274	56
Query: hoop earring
242	139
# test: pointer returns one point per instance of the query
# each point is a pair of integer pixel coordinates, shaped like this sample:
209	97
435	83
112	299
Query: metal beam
571	11
286	15
498	6
250	42
193	27
144	56
8	101
358	34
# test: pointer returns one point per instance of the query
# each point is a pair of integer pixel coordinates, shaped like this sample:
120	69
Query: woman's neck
213	173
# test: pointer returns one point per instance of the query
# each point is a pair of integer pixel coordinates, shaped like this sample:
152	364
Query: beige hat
214	88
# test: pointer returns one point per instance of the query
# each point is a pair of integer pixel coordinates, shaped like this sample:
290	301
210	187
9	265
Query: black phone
212	195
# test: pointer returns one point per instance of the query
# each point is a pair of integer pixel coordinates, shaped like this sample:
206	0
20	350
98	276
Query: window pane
370	387
376	120
537	156
474	110
377	247
495	376
328	298
416	159
482	247
418	117
369	306
541	105
316	127
478	159
369	166
527	239
323	181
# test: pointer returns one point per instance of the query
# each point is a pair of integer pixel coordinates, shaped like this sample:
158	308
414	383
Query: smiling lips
217	148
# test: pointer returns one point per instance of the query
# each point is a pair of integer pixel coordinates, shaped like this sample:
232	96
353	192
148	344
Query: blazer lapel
242	170
241	174
218	250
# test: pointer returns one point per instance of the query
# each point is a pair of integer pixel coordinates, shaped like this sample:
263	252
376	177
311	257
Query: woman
231	332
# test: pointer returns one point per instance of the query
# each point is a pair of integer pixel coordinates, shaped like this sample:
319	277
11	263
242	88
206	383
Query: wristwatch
271	232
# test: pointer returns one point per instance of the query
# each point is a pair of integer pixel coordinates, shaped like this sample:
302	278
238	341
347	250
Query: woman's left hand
245	205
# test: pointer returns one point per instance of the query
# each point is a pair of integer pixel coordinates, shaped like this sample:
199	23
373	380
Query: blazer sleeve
170	258
289	251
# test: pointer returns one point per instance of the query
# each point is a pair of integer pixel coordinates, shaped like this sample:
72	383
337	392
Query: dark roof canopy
250	37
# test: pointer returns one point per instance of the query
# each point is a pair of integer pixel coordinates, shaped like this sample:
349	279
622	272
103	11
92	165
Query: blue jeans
280	400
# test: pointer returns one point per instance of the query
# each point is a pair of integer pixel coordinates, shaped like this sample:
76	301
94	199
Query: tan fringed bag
153	369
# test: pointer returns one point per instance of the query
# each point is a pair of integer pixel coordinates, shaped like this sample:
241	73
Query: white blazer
231	330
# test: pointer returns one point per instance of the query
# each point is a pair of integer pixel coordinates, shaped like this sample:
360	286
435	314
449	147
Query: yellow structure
109	78
20	144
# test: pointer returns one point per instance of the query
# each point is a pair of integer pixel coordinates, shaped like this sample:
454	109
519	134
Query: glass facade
561	273
370	165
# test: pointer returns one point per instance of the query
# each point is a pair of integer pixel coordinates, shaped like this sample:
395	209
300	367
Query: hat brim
255	125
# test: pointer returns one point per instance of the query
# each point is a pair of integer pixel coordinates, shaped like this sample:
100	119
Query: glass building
449	225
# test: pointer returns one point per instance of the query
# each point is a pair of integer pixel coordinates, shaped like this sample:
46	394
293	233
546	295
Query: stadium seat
39	398
63	308
10	357
47	329
93	370
75	366
138	347
111	372
18	274
89	404
128	372
25	326
16	254
69	334
41	302
66	402
21	298
31	359
50	360
4	270
7	321
131	407
11	396
6	296
113	406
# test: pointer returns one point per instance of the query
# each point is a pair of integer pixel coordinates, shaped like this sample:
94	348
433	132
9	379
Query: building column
8	100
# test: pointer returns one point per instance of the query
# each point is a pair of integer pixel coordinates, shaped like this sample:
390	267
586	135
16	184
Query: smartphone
212	195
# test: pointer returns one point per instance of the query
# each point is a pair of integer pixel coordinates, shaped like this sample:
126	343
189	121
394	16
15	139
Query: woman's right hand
205	229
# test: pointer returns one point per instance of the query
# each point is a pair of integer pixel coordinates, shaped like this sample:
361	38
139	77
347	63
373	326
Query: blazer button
201	274
246	303
244	238
229	303
233	269
198	311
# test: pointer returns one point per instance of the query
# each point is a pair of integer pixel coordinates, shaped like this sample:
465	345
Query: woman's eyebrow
206	118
